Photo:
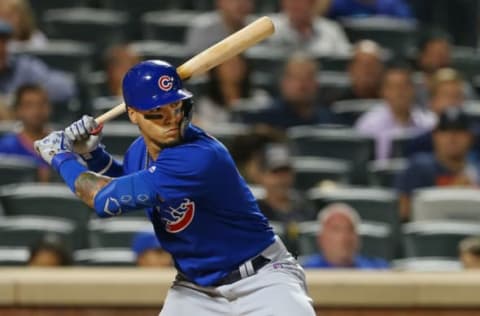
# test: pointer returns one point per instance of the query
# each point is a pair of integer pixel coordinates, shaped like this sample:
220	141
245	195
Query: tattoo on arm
88	184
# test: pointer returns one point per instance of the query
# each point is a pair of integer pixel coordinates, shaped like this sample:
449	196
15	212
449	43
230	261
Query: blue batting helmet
151	84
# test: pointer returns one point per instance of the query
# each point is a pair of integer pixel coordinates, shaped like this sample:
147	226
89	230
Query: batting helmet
151	84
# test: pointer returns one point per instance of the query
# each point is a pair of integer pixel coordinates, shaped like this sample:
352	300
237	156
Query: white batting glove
53	144
80	133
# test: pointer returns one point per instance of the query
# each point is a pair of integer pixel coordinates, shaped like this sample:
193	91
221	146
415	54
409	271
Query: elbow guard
123	194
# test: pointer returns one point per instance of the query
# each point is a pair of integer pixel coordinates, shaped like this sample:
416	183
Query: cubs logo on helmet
178	218
165	83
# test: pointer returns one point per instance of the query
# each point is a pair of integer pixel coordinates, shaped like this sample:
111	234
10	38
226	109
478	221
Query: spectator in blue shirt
299	102
149	252
17	70
448	165
32	110
338	241
364	8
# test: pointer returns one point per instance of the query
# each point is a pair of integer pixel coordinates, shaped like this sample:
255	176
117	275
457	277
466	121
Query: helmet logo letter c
165	83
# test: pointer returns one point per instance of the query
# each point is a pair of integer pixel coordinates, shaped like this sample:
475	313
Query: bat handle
111	114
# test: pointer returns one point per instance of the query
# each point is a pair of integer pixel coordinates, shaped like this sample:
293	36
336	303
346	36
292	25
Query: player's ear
132	115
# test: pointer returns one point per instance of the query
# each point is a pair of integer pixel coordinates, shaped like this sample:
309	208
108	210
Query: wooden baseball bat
212	56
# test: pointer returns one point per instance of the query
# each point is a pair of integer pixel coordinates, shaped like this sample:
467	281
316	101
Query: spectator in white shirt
298	28
398	114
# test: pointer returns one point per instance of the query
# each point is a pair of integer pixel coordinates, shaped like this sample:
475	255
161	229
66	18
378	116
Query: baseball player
229	261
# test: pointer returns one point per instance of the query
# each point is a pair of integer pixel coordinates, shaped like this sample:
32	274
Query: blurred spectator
448	165
246	150
282	203
298	103
229	89
397	115
298	28
337	9
26	35
338	241
365	71
32	109
469	249
448	90
50	251
16	70
209	28
118	60
149	252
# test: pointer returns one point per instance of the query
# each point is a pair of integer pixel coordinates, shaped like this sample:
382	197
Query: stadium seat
395	34
472	107
375	241
8	127
115	232
427	264
311	171
382	173
267	65
101	28
372	204
16	169
400	141
466	60
13	256
24	231
334	63
104	257
169	26
436	238
339	143
446	204
173	53
226	132
42	199
117	136
40	7
350	110
70	56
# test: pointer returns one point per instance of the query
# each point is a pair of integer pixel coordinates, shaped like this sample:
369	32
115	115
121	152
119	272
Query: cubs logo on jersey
165	83
178	218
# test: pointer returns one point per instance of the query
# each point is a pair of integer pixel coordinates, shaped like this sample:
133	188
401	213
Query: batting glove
55	148
85	134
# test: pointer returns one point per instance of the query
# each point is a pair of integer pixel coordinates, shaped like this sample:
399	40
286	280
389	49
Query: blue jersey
202	211
16	144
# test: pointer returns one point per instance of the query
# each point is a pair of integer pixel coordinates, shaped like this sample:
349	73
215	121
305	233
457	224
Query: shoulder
371	263
373	117
138	145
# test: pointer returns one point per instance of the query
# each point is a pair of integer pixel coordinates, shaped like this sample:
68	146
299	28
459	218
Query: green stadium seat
115	232
70	56
101	28
174	53
311	171
169	26
42	199
24	231
395	34
382	173
13	256
118	136
339	143
16	169
104	257
436	238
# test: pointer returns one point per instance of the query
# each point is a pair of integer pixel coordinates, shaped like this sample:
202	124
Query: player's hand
54	144
85	134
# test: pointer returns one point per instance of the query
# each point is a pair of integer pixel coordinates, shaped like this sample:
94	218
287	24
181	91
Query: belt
247	269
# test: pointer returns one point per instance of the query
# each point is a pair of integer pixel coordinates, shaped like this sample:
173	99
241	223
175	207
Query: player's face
160	126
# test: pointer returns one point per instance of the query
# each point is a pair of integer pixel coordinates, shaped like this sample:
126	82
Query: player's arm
108	196
85	134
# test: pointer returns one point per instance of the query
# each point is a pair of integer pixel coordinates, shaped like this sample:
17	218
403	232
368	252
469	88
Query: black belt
234	276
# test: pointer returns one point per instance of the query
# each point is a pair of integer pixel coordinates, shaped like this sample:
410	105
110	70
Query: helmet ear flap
187	106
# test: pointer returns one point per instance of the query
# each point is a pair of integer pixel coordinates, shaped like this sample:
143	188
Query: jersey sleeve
101	162
176	175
